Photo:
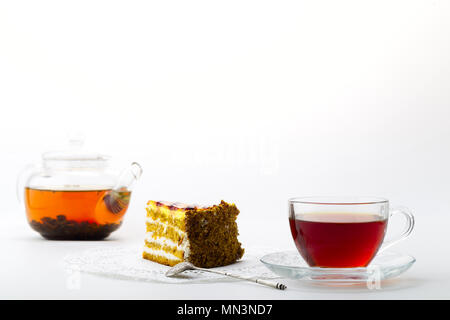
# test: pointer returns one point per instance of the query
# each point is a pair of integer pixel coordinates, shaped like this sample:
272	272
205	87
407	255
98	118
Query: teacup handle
406	231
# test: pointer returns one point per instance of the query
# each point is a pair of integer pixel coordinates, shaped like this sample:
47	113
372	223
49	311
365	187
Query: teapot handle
22	179
129	176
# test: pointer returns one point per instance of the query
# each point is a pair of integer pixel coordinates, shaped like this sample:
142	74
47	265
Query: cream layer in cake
162	245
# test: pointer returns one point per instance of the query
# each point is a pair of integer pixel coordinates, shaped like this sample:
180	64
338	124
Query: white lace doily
127	263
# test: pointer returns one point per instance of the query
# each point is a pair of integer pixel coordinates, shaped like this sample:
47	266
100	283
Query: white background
252	102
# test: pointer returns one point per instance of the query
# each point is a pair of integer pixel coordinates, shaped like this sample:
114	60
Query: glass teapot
74	195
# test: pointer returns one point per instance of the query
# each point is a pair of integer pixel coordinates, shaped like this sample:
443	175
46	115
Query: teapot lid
75	152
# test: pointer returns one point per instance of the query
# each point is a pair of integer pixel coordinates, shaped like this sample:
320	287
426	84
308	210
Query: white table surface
31	268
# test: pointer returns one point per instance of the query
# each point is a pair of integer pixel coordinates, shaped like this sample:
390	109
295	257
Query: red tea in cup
339	240
343	232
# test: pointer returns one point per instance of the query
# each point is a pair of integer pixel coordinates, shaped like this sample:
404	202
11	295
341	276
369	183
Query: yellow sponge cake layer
165	233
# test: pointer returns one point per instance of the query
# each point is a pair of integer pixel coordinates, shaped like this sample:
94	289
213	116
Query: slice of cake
204	236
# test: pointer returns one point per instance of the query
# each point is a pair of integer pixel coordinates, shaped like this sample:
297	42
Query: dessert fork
183	266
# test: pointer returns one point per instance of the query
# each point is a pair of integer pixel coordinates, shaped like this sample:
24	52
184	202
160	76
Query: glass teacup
342	232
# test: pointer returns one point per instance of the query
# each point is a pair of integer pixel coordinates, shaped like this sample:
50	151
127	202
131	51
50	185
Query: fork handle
268	283
276	285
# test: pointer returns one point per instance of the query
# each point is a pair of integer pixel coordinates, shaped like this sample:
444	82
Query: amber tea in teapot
75	214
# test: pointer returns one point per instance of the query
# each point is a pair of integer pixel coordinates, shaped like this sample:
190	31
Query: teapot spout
118	199
128	177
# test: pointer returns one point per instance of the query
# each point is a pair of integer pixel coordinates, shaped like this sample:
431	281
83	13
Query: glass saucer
386	265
